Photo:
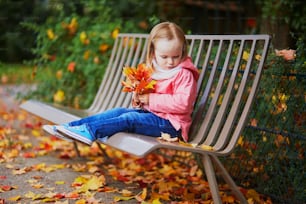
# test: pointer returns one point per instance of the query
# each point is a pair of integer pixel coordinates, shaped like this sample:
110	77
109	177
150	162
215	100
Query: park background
64	47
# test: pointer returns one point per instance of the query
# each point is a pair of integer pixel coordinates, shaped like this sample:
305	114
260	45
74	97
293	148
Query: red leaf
28	125
6	188
29	155
59	196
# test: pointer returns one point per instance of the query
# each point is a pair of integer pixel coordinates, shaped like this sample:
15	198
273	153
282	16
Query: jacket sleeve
178	101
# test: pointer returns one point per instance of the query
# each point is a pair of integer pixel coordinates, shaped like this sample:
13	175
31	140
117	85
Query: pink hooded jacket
174	98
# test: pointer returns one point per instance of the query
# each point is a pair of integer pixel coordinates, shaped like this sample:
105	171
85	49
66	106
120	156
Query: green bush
74	51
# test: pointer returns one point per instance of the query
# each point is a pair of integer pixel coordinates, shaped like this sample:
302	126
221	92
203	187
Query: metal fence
270	157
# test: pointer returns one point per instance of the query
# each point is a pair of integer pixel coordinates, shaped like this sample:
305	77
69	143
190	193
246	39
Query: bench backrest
230	68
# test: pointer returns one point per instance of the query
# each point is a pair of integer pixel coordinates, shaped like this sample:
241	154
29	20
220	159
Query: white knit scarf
160	73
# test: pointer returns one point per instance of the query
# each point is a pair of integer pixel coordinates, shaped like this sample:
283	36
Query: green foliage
75	49
271	152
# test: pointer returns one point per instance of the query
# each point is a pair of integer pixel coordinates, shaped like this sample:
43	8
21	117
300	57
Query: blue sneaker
51	129
79	133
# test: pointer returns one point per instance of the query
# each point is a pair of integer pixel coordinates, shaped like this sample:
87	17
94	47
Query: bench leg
211	178
76	149
228	179
103	152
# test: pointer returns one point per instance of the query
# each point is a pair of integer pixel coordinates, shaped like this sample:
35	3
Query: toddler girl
167	110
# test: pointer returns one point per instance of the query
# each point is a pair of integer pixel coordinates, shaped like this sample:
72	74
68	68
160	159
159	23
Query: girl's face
168	53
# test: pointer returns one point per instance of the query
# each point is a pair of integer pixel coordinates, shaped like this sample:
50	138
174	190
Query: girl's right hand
135	101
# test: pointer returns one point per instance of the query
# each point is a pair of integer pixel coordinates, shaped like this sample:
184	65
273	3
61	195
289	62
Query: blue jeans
130	120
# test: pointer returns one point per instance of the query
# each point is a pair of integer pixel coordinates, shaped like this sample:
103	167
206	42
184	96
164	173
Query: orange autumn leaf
71	67
86	55
59	74
37	185
138	79
142	195
71	27
103	48
73	195
29	155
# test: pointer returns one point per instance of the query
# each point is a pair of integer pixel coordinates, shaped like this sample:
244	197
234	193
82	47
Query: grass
17	74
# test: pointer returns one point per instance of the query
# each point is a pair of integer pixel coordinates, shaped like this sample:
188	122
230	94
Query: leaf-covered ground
38	168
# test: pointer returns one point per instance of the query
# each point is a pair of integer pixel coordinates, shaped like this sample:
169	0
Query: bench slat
51	113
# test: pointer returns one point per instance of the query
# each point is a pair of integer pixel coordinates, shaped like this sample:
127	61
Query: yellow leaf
245	55
115	33
240	141
207	147
32	195
83	37
15	198
167	137
164	196
228	199
59	182
35	133
59	96
20	171
50	34
126	193
81	201
156	201
151	84
94	183
122	198
258	57
254	195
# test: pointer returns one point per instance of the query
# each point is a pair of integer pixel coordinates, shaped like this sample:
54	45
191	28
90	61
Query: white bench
230	71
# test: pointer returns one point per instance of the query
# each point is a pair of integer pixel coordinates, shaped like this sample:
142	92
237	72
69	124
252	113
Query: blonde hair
165	30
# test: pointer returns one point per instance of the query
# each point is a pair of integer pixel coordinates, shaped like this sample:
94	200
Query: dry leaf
15	198
138	79
167	137
207	147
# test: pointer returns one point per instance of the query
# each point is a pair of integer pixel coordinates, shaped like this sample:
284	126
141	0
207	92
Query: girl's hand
144	99
135	101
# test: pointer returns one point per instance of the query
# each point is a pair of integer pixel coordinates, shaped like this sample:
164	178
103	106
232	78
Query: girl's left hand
144	99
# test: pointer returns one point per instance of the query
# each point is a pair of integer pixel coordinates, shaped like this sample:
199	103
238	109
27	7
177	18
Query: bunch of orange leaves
138	79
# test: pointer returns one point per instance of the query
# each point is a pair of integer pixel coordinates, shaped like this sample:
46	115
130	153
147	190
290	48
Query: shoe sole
73	135
50	129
